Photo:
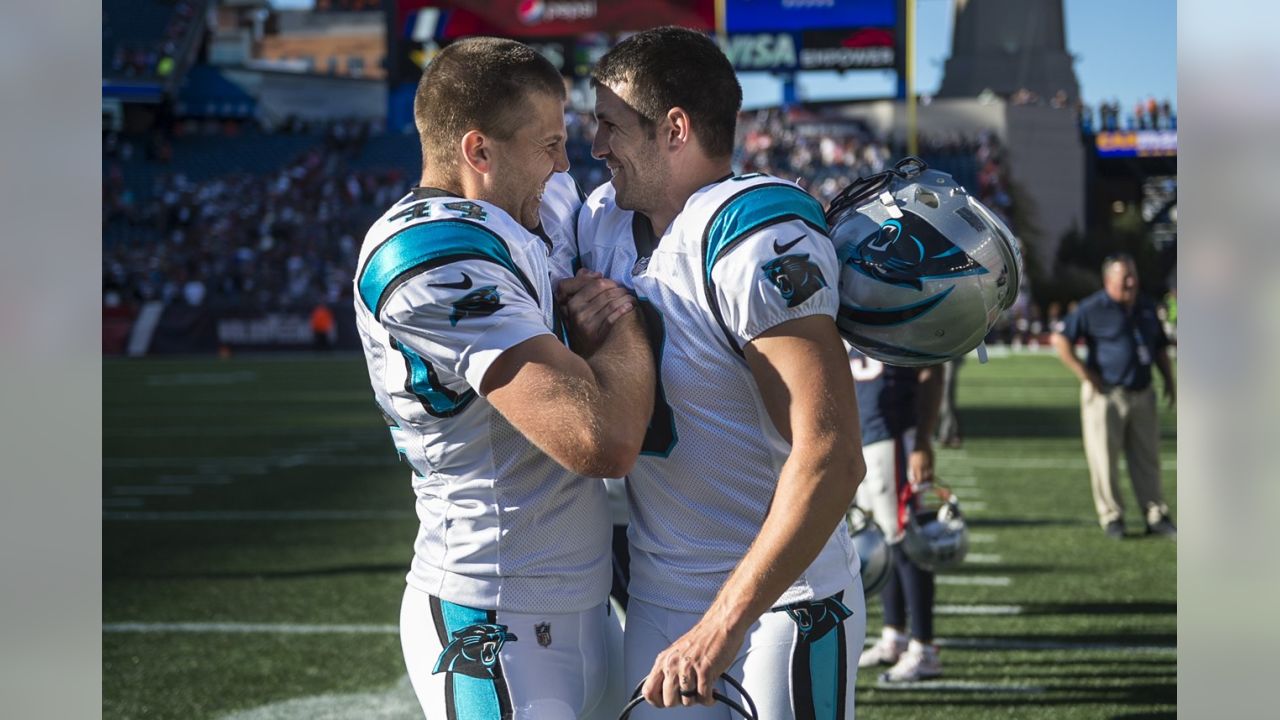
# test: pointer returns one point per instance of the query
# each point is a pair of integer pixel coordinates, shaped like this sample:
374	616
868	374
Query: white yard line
1022	644
255	515
984	580
1035	463
984	558
262	628
960	686
977	609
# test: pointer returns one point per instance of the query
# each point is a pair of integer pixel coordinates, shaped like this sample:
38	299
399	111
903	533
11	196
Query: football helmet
937	539
925	269
873	551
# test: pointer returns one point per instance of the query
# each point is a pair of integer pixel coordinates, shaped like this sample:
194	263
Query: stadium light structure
909	22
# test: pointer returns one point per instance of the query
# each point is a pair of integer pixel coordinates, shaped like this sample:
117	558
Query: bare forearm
624	372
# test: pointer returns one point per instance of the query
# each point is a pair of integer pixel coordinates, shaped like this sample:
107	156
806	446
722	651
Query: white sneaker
919	662
886	651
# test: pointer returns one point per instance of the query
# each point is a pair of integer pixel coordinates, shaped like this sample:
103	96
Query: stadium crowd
244	241
287	237
132	53
1147	115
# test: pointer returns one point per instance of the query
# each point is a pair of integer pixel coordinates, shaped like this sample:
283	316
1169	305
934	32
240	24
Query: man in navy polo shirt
1117	403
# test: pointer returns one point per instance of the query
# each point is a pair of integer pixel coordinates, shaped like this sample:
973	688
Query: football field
257	527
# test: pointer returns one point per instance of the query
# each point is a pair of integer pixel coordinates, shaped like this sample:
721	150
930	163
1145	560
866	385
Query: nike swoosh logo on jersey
779	249
463	284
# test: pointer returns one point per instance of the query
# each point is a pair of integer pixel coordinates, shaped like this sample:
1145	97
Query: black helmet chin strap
865	188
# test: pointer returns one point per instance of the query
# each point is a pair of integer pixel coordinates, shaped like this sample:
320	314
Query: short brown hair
479	83
677	67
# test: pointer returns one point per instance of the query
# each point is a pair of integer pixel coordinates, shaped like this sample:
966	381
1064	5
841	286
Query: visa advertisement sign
852	49
748	16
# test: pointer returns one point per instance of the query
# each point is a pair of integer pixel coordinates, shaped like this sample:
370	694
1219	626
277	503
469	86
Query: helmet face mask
926	270
873	551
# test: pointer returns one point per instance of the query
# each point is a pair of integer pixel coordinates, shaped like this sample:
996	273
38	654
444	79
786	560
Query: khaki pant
1122	420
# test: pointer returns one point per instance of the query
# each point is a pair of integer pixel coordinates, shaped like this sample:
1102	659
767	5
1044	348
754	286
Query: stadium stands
146	39
230	216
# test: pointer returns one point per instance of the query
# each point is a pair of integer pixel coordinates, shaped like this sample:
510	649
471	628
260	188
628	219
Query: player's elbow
606	454
618	454
855	469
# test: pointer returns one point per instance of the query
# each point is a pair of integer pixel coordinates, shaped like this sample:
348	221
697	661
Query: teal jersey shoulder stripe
426	245
755	208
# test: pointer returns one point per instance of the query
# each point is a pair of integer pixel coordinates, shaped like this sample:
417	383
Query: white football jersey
745	254
444	286
561	201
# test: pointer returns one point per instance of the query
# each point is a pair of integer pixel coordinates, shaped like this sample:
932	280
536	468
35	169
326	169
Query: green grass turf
1095	639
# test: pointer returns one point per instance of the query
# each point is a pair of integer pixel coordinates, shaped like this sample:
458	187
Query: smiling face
629	146
522	164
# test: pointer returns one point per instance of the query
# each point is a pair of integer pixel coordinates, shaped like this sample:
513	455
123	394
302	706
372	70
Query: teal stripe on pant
824	669
472	698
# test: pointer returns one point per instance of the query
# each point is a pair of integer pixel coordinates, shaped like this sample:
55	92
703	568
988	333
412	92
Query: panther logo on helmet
926	270
908	251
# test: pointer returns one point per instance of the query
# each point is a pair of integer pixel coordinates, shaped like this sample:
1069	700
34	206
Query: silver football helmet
925	269
873	551
937	539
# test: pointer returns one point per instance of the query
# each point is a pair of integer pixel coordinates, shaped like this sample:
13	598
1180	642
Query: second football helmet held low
873	551
937	539
925	269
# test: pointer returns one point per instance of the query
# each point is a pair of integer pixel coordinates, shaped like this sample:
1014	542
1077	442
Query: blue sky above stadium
1125	50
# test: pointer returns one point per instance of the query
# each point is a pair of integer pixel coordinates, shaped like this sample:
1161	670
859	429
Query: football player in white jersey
505	614
561	200
740	560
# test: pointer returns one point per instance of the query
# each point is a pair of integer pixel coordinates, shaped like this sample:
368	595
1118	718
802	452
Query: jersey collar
426	193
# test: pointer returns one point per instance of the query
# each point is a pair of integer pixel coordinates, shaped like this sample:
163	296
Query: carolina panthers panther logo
909	251
477	303
816	618
474	651
795	277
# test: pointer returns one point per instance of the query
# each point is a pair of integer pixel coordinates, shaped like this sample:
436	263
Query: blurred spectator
1147	115
322	327
948	433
